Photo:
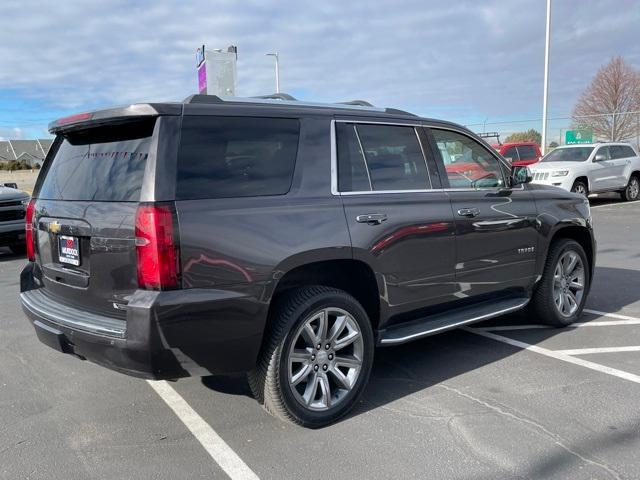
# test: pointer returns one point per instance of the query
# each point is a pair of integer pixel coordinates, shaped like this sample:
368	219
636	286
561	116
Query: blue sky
466	61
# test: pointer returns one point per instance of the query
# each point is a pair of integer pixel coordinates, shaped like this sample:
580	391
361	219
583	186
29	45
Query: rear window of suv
222	157
100	164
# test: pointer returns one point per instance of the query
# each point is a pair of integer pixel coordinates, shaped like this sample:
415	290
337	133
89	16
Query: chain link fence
619	126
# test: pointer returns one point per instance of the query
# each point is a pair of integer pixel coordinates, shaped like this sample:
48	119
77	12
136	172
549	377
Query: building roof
28	150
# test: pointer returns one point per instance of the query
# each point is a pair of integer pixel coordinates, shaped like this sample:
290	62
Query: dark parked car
13	204
286	240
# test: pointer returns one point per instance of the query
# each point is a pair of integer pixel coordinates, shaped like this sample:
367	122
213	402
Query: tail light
28	227
156	247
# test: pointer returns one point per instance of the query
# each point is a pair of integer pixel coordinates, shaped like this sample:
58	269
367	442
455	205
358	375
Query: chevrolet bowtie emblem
54	227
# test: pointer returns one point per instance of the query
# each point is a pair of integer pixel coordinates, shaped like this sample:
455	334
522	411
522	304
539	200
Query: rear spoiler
113	115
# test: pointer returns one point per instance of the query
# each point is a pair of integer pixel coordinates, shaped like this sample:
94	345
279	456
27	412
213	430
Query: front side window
467	163
223	157
603	153
379	158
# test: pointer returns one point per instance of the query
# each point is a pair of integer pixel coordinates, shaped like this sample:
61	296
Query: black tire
631	193
269	381
18	249
542	304
580	187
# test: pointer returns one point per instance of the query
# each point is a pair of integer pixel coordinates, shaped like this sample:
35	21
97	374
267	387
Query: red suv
520	153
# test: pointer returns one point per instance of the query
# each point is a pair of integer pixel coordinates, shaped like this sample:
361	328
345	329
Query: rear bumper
165	335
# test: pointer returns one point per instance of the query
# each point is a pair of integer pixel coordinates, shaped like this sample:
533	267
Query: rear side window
222	157
527	152
394	157
379	158
352	167
511	153
100	164
621	151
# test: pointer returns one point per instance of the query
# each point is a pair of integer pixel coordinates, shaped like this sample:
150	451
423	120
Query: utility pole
546	80
275	55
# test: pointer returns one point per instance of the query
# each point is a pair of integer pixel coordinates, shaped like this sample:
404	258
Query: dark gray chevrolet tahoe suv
286	240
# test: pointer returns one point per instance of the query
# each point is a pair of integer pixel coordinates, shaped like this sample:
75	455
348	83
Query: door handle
469	212
372	218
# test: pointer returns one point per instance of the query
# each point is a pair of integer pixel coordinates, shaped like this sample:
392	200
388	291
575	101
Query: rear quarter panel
245	245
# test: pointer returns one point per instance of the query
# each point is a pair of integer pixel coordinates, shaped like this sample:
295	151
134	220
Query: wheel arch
353	276
580	234
584	179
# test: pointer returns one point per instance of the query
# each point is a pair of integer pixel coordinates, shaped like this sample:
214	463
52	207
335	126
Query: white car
591	168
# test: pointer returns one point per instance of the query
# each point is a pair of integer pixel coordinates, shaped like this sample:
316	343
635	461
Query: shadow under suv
286	240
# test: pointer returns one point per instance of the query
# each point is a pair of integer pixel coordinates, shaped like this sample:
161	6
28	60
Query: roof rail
287	99
360	103
277	96
399	112
200	98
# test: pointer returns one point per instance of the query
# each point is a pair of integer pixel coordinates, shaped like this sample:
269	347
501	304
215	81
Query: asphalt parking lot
505	399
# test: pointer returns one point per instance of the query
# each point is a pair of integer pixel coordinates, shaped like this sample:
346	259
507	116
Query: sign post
201	66
217	71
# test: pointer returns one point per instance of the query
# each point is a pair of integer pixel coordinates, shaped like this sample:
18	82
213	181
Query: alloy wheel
579	188
325	359
568	283
633	189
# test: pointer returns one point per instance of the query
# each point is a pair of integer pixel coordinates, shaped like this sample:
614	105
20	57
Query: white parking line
512	327
612	315
557	355
587	351
621	320
608	323
223	455
615	204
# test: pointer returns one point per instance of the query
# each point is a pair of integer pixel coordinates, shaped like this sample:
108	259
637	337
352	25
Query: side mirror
520	176
599	157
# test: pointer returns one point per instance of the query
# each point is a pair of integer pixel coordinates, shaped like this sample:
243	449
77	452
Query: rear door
86	200
621	156
496	238
399	218
604	172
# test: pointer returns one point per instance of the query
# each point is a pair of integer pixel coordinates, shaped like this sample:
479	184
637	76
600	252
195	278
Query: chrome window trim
334	159
418	124
386	192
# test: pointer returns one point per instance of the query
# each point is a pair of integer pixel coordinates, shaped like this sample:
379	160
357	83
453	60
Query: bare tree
613	92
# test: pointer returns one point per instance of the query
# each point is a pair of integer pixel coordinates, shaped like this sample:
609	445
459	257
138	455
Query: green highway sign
579	135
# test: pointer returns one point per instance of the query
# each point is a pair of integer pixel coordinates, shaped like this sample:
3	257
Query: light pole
277	69
546	80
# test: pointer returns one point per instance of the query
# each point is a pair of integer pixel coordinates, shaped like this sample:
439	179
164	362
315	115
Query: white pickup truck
591	168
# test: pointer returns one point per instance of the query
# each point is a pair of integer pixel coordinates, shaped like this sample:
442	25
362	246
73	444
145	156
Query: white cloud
11	133
461	59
